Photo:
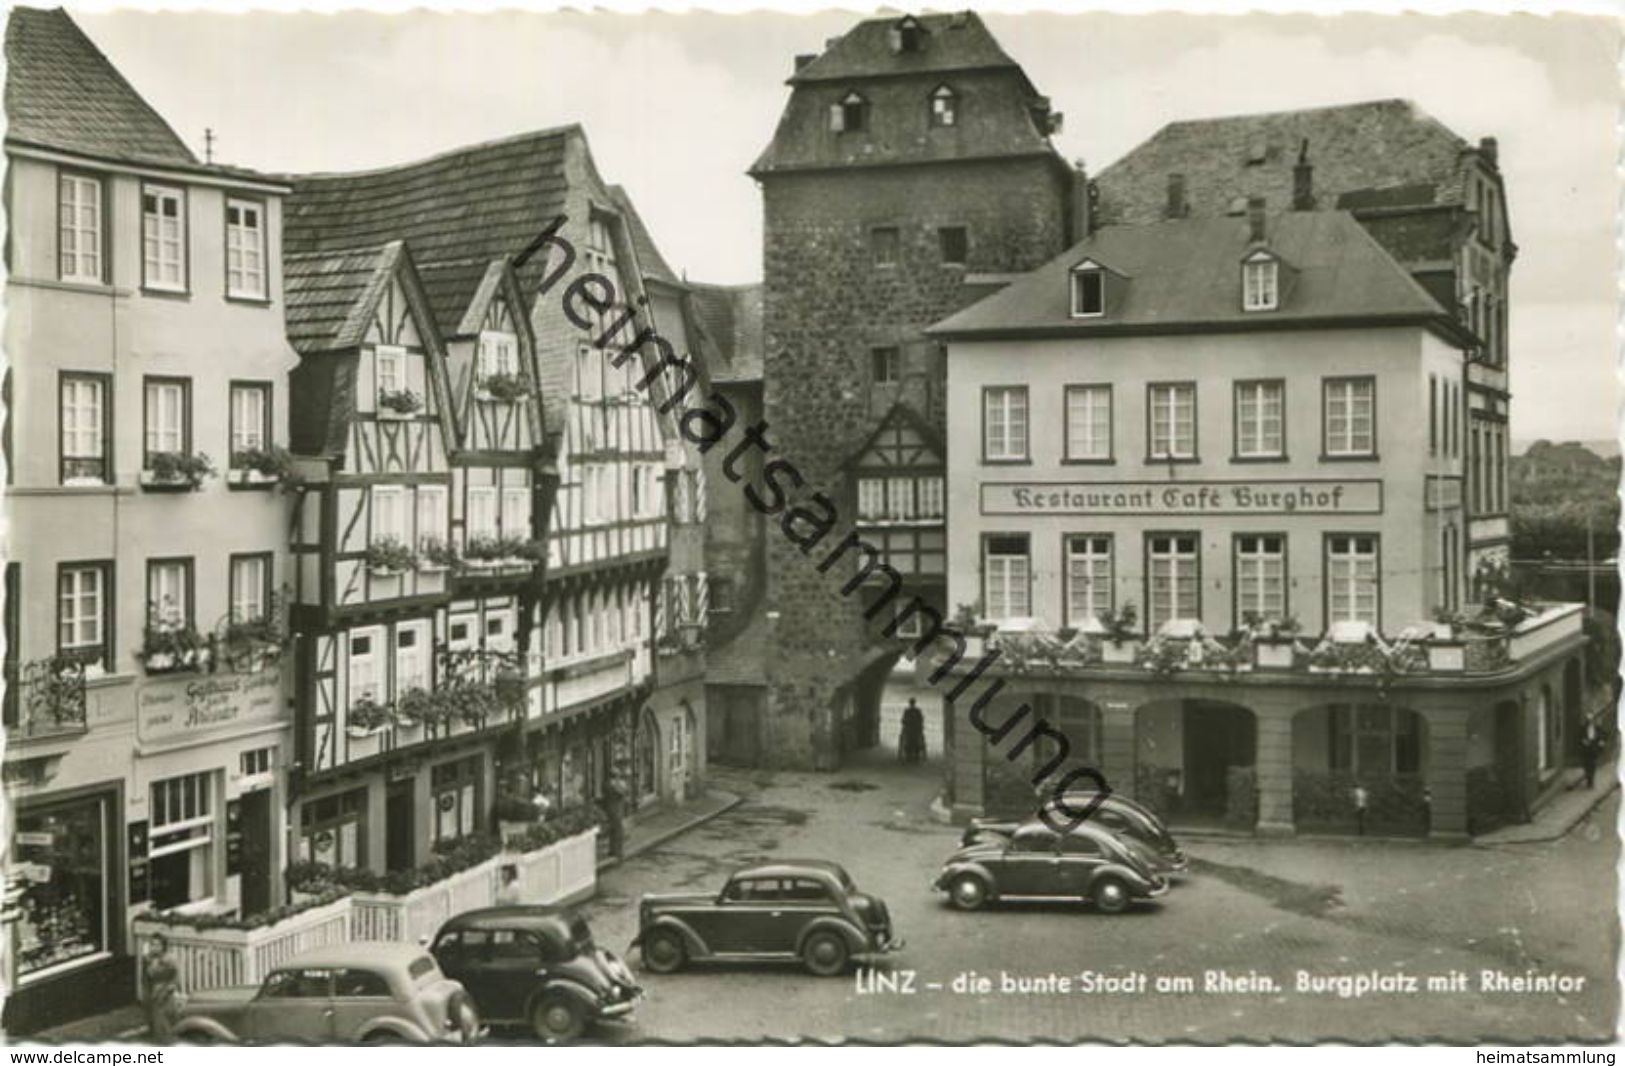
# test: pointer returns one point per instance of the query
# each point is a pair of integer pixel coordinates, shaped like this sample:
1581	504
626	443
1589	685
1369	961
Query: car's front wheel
825	954
1112	895
968	892
663	951
557	1016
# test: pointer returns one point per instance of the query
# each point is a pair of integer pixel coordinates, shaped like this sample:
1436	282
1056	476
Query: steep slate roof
650	261
63	93
730	320
459	211
1185	275
958	41
329	295
1378	153
996	101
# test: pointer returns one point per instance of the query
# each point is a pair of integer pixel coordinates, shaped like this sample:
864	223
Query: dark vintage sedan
366	992
806	909
1035	861
1119	814
535	966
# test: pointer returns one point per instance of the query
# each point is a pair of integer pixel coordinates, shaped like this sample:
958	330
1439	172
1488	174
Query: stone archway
1195	761
1338	748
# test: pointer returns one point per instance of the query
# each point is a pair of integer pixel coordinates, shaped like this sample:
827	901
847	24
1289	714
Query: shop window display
60	859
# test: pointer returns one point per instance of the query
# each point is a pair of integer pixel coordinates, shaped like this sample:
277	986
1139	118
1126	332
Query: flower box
250	479
1119	651
1447	657
1273	654
365	743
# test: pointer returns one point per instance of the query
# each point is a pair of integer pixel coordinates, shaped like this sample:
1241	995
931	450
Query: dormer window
1088	290
944	106
1260	282
849	114
907	35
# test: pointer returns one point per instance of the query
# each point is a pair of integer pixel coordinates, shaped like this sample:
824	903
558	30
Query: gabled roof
1387	153
331	299
958	41
729	320
459	211
896	423
1185	276
63	93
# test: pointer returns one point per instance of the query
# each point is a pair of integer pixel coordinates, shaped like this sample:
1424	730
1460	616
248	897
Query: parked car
806	909
535	966
1117	813
1087	863
367	992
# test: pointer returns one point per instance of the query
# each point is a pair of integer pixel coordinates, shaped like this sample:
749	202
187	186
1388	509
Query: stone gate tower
911	171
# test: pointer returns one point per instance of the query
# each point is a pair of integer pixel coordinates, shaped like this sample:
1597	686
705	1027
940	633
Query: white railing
215	958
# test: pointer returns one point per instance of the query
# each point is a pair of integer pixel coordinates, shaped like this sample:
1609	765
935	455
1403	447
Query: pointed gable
61	92
902	440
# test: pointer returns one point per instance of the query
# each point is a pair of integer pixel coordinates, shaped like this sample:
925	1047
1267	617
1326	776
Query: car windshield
422	968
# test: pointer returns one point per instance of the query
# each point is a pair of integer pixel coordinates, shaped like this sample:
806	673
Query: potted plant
1120	643
505	387
252	644
967	621
169	648
437	554
262	466
387	556
399	402
1274	640
416	709
367	715
176	471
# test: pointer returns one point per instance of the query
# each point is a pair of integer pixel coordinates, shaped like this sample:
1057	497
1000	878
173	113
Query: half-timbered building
591	454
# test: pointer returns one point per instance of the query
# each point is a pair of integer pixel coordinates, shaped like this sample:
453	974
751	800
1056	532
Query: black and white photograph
611	527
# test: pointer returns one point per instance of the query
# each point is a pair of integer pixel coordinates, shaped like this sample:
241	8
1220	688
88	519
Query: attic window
1088	291
1260	282
907	35
944	106
850	114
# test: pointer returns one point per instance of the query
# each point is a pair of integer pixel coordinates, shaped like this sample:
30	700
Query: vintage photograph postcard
867	525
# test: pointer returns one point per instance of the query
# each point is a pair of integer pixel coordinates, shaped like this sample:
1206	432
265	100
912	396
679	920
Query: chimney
1303	180
1177	207
805	58
1083	220
1255	219
1490	149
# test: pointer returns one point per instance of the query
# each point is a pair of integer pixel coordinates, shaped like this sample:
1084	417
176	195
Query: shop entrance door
399	826
257	833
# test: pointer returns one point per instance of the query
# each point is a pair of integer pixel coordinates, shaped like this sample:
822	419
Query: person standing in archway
911	741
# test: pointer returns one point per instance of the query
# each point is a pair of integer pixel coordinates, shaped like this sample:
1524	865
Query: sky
676	108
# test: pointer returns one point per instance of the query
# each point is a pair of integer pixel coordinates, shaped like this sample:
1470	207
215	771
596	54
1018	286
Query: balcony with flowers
1495	637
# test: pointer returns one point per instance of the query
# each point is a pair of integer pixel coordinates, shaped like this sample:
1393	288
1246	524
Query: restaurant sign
169	710
1193	498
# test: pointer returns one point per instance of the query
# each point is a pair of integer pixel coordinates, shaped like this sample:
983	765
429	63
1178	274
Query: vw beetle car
806	909
354	992
1118	814
536	966
1035	861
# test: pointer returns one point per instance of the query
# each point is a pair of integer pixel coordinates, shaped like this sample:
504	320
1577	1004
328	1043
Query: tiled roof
650	261
999	113
1186	274
1377	153
63	93
328	294
730	321
957	41
458	211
